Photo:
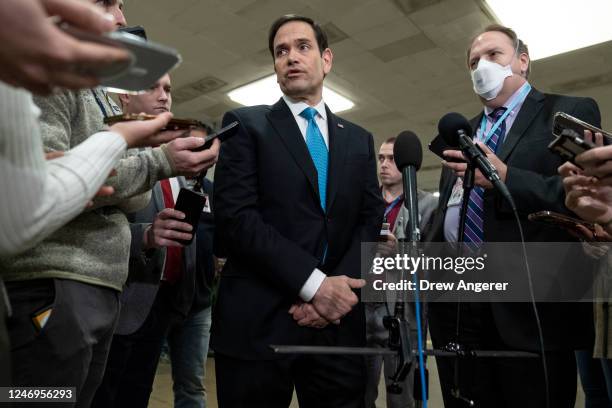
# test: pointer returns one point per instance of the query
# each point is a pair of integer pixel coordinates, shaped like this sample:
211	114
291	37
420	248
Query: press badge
206	208
457	193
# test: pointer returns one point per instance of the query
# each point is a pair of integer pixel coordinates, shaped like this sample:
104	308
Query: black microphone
408	156
457	132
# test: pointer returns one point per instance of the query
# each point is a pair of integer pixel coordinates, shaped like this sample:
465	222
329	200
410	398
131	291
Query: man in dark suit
499	65
295	195
167	294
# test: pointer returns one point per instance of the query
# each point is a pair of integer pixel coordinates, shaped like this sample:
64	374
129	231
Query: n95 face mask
488	78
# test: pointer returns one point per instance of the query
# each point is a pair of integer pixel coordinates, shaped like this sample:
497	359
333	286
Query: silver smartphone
149	61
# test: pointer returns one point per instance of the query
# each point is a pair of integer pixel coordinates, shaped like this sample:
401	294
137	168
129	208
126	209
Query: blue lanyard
99	102
483	123
392	205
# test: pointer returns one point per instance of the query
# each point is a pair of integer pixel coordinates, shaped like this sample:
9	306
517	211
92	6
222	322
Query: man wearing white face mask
514	129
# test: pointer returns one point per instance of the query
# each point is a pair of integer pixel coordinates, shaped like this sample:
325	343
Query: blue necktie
474	232
318	151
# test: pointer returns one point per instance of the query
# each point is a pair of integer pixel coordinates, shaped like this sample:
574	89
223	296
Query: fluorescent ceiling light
551	27
266	91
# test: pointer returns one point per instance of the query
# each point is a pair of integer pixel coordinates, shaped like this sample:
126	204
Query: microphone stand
456	347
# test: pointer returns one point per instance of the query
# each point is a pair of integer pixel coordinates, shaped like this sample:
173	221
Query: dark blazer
535	185
272	229
145	271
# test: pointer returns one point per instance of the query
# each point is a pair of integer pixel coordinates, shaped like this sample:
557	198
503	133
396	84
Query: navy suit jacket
271	227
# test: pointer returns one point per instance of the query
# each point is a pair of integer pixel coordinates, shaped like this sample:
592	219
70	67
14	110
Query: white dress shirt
317	276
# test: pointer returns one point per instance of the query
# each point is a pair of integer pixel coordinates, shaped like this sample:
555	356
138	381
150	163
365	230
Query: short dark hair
390	140
517	43
281	21
207	128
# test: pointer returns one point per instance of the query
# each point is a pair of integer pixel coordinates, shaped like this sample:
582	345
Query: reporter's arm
41	196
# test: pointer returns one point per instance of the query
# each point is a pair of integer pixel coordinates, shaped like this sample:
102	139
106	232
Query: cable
533	303
420	340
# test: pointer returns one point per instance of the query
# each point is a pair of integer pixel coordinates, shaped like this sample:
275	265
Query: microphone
408	156
457	132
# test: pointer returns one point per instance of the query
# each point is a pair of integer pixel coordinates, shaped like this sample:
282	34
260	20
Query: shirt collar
509	101
297	107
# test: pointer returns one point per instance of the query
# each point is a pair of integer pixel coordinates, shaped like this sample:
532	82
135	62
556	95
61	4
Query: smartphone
135	30
438	146
149	61
562	221
570	144
222	134
562	121
191	203
175	123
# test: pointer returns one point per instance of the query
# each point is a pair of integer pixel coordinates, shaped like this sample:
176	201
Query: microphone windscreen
407	150
450	125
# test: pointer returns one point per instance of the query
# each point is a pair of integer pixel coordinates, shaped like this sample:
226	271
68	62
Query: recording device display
222	134
175	123
191	203
149	61
562	221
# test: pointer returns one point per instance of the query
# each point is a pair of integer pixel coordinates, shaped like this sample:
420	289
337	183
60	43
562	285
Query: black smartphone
191	203
222	134
438	146
569	144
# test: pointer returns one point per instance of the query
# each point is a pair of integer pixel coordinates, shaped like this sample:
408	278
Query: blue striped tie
318	151
474	234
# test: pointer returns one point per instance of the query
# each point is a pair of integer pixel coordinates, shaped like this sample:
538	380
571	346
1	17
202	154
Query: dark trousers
496	382
596	379
132	361
70	349
5	355
320	382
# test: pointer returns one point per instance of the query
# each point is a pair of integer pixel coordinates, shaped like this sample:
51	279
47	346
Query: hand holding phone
173	123
221	134
191	203
146	133
438	146
572	225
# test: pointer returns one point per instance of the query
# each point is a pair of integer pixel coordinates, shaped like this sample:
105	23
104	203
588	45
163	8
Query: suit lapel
284	124
530	109
338	143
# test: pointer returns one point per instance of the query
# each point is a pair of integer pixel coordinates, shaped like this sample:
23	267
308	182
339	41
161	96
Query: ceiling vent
410	6
197	89
334	34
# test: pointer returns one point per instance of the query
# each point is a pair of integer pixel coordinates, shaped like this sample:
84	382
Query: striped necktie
318	151
474	232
